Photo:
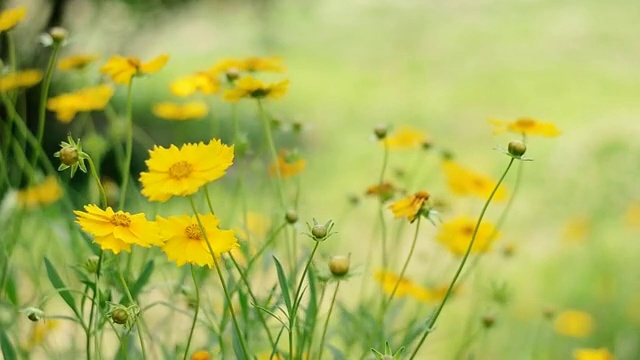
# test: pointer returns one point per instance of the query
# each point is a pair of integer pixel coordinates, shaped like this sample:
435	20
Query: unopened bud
488	321
34	314
339	265
91	264
380	131
58	34
319	231
517	148
69	156
233	74
291	216
119	316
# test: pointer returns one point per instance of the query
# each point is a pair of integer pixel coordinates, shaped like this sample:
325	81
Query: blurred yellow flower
201	355
181	172
44	193
117	231
576	229
409	207
406	287
463	181
289	164
632	215
205	82
11	17
248	87
226	65
19	79
384	191
574	323
39	331
592	354
76	62
185	242
187	111
88	99
121	69
257	224
405	138
525	126
272	64
456	235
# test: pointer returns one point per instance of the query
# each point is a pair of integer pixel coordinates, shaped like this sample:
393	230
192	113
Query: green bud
516	148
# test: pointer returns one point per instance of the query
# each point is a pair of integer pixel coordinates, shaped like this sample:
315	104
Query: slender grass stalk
126	168
313	325
273	152
406	264
436	314
383	224
96	296
196	311
130	298
326	322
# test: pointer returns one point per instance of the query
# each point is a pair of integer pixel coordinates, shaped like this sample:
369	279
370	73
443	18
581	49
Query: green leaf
312	309
284	285
57	283
143	279
8	352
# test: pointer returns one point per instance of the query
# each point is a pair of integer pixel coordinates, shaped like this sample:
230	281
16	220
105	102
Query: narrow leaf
8	352
57	283
284	285
143	279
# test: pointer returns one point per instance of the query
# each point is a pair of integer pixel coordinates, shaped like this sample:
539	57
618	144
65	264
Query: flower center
180	170
135	63
526	122
259	93
121	219
193	232
467	230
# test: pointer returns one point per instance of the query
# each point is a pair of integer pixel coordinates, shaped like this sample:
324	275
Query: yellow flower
574	323
406	287
592	354
19	79
576	230
88	99
76	62
289	164
226	65
405	138
181	172
185	242
456	235
204	82
463	181
384	191
117	231
525	126
410	206
40	330
11	17
632	215
47	192
273	64
201	355
188	111
122	69
253	88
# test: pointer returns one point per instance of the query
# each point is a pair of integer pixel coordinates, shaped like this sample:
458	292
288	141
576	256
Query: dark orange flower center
525	123
193	232
180	170
135	63
467	230
121	219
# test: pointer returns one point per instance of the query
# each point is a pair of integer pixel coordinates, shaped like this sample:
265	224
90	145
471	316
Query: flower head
574	323
71	156
592	354
66	106
76	62
122	69
11	17
406	287
409	207
187	111
289	164
117	231
248	87
19	79
383	191
186	243
205	82
456	235
201	355
182	171
45	193
405	138
525	126
463	181
266	64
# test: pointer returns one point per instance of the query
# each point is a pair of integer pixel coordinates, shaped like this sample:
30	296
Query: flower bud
91	264
69	156
516	148
488	321
319	231
34	314
339	265
58	34
233	74
119	316
380	131
549	312
291	216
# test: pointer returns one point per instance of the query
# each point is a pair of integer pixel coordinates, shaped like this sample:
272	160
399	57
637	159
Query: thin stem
195	315
130	297
406	263
326	322
126	169
96	295
383	225
272	150
297	299
94	173
438	310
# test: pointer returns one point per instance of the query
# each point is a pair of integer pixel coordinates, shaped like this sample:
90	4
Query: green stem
313	325
406	264
298	298
130	297
274	154
94	173
126	169
326	322
96	295
383	225
195	315
434	317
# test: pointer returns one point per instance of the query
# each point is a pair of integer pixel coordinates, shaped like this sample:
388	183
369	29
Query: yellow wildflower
76	62
11	17
45	193
117	231
574	323
201	355
592	354
40	331
273	64
456	235
525	126
632	215
205	82
405	138
576	229
410	206
181	172
289	164
406	287
19	79
248	87
384	191
122	69
185	242
188	111
226	65
463	181
88	99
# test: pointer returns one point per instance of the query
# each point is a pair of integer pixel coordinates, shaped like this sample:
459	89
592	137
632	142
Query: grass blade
284	285
62	288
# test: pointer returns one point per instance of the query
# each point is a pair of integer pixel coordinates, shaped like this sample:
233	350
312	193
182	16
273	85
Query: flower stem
297	299
103	194
274	154
126	168
383	225
96	295
406	264
326	322
436	314
195	315
130	298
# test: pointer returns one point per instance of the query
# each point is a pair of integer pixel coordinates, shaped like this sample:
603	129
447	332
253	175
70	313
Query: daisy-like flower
121	69
409	207
117	231
384	191
11	17
405	138
289	164
406	287
574	323
266	64
45	193
456	235
592	354
187	111
66	106
525	126
185	242
201	355
182	171
19	79
248	87
76	62
463	181
204	82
